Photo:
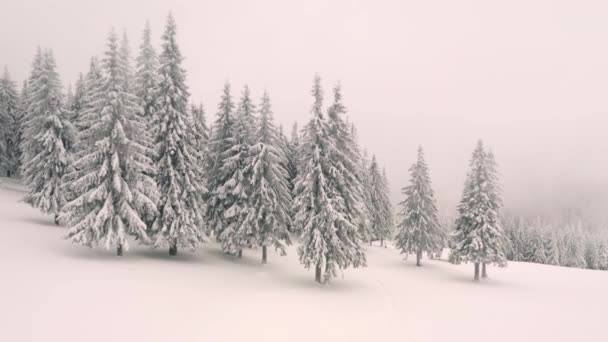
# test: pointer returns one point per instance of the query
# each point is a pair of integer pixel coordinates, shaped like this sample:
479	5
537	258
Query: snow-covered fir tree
292	156
573	246
329	239
180	178
43	173
200	131
125	54
113	194
365	227
10	125
419	230
346	158
75	103
269	196
220	145
146	75
91	100
31	124
479	237
380	213
237	232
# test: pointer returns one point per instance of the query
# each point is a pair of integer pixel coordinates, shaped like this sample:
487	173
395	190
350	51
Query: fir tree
380	215
237	233
269	196
147	75
479	237
200	132
43	173
10	125
180	220
329	240
419	229
220	145
32	111
113	194
346	160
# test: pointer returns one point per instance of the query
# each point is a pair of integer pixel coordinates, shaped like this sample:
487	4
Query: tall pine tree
380	212
43	173
419	229
10	125
269	196
113	194
479	237
329	239
180	220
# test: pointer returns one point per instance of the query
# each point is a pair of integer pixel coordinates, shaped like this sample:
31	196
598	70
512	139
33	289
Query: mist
527	77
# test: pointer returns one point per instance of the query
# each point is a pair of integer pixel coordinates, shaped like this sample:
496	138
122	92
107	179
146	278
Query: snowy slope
52	290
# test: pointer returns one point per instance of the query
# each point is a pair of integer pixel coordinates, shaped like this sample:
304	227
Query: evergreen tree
346	160
329	239
479	237
366	232
147	75
220	145
551	247
113	194
75	105
380	215
237	233
10	125
43	173
419	229
180	178
91	102
125	55
269	195
292	156
573	250
32	111
200	132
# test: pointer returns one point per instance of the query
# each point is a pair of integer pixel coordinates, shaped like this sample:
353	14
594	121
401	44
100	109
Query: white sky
530	77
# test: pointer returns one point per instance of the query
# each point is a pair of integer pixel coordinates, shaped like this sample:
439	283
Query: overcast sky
529	77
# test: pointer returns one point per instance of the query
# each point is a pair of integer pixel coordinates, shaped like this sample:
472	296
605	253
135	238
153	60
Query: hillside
55	291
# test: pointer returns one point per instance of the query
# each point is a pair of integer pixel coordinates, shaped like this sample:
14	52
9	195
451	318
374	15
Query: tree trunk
119	249
240	254
173	249
8	173
370	242
264	255
484	274
57	219
418	257
476	271
318	274
381	242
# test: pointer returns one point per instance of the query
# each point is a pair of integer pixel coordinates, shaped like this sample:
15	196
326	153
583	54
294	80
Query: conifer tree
380	216
125	54
75	105
43	173
10	125
31	124
419	229
113	194
346	159
479	236
220	145
269	196
292	156
147	75
329	239
237	233
200	132
180	219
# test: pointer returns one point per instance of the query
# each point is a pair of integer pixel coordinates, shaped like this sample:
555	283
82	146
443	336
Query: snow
53	290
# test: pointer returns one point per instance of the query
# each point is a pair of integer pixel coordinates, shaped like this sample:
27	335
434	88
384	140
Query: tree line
127	155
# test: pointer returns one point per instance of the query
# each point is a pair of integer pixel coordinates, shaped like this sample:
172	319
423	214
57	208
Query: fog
529	77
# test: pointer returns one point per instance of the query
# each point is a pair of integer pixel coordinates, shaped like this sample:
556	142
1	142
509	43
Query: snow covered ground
51	290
